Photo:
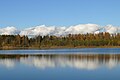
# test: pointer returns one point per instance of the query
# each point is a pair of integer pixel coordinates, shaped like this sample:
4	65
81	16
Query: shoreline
54	47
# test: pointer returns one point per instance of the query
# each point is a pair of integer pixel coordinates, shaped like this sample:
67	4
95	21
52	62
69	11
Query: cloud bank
9	31
60	31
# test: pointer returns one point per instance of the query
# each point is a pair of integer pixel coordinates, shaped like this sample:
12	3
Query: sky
27	13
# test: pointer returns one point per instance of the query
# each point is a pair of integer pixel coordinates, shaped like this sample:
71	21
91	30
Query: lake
60	64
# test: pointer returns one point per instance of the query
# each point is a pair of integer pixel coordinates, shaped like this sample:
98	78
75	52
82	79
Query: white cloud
9	31
58	31
83	29
52	30
38	30
43	30
111	29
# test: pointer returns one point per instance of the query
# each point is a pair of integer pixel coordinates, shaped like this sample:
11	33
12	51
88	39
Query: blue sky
28	13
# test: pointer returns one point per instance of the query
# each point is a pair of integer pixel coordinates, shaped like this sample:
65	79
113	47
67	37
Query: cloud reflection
41	63
8	63
78	61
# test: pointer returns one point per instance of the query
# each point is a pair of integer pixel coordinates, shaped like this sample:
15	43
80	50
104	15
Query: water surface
60	64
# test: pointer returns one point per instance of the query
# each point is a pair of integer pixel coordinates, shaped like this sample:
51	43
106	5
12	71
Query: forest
69	41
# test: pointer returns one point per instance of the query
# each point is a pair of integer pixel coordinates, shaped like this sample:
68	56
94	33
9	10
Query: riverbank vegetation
69	41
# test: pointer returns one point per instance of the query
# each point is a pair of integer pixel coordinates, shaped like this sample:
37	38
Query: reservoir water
60	64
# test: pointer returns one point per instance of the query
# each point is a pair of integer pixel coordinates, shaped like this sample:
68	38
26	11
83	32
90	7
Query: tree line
71	40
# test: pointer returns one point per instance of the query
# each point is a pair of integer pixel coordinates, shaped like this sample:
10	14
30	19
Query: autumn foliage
71	40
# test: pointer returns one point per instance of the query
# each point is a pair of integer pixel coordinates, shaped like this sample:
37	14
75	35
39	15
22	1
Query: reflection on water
77	61
8	63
